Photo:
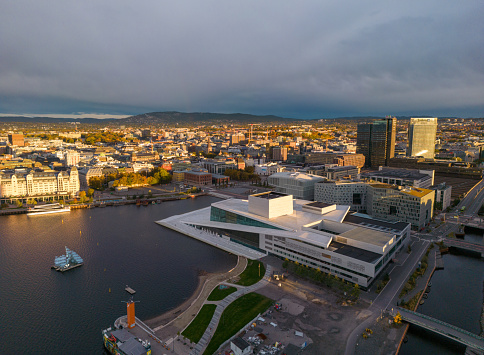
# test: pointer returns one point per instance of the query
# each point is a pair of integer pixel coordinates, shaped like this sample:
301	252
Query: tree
90	192
398	318
82	196
18	203
96	182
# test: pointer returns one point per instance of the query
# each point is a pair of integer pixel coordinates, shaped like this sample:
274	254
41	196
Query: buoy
89	216
109	290
62	221
80	232
104	269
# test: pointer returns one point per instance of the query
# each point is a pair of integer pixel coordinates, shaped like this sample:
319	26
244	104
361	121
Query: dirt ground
383	340
316	312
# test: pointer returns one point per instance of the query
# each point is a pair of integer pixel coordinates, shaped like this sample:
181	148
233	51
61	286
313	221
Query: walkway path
388	297
207	336
181	322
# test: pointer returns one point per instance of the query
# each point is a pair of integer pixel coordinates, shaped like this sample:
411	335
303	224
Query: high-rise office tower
421	137
376	141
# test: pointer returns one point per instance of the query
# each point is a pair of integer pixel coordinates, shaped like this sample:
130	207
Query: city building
16	139
38	184
348	193
218	167
443	194
396	203
387	202
401	177
319	235
267	169
376	141
421	137
178	175
334	172
319	158
72	158
198	178
279	153
298	185
87	173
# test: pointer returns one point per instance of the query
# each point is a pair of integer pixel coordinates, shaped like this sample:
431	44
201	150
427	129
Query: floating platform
130	290
62	269
66	262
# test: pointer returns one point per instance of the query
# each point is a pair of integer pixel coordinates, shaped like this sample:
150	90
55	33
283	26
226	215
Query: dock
130	290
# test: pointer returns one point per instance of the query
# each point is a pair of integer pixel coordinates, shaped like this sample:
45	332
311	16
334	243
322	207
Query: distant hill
25	119
173	117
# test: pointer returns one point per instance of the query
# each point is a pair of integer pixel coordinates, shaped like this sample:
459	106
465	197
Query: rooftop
398	173
353	252
270	195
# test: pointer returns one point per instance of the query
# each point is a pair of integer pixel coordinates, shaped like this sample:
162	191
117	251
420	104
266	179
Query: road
400	273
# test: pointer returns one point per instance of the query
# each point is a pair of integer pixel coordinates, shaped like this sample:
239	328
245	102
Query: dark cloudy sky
307	59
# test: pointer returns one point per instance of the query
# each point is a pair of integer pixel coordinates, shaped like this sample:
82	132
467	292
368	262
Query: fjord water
456	297
47	312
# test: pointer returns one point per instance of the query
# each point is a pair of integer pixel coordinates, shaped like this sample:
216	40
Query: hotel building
38	185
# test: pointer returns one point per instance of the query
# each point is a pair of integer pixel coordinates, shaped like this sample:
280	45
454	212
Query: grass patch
218	294
237	315
251	273
198	326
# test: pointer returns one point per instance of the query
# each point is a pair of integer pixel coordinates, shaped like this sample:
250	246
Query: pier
462	336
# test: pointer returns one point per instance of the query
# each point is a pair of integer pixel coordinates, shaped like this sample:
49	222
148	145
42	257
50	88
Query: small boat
138	203
146	203
130	290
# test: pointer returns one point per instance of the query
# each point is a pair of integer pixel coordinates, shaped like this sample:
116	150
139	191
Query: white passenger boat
49	208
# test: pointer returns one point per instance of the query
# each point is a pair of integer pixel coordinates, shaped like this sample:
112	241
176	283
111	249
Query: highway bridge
448	330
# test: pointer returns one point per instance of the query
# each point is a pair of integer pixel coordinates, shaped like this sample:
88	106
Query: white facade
72	158
267	169
297	184
343	193
270	208
39	183
315	234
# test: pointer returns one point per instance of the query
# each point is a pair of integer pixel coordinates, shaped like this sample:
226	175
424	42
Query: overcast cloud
306	59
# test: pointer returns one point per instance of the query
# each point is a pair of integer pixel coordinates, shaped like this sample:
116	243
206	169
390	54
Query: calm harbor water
456	297
47	312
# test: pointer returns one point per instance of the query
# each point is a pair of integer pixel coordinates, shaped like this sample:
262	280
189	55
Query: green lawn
198	326
218	294
251	273
237	315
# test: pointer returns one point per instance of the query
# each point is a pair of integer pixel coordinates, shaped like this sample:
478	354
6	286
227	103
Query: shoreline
166	319
170	315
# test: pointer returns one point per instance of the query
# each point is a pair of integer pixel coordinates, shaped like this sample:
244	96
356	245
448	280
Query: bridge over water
448	330
459	243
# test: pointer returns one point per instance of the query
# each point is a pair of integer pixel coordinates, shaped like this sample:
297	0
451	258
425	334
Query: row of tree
242	175
154	177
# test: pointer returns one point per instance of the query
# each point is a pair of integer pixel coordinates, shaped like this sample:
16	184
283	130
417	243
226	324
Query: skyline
316	61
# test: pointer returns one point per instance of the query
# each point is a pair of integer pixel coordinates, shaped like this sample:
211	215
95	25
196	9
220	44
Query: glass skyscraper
421	137
376	141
